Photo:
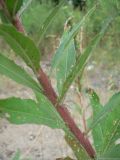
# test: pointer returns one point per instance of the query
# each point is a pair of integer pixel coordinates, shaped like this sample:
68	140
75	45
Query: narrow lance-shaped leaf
82	60
66	63
97	132
16	73
25	111
21	45
67	40
48	21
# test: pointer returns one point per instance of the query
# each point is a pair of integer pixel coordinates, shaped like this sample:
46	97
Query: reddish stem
52	96
17	23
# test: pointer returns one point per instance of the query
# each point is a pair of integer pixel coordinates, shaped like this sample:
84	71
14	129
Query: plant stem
62	110
17	23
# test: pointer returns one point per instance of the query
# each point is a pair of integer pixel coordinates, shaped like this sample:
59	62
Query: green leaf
48	21
16	73
82	59
50	110
113	103
112	153
109	118
3	17
81	63
79	152
69	137
19	111
21	45
97	132
112	124
66	63
67	40
13	6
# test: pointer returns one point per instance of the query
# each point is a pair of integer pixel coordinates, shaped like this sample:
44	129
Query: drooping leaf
48	21
82	59
22	111
66	63
97	132
67	40
13	6
16	73
21	45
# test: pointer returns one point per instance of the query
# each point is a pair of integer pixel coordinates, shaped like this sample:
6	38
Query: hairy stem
62	110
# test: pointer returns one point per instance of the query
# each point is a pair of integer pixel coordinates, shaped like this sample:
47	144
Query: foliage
21	45
15	72
33	25
47	109
13	6
105	124
30	112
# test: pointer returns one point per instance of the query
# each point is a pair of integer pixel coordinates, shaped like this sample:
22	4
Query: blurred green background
109	48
